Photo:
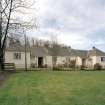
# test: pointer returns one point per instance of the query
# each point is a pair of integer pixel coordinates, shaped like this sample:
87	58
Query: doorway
40	62
83	62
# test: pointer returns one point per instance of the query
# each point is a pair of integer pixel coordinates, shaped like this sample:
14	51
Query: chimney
94	48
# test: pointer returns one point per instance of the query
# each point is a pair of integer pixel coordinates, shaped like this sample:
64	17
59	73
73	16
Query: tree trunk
1	57
1	60
3	42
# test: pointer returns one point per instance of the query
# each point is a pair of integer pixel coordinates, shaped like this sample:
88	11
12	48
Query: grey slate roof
39	51
56	51
59	51
85	53
96	52
80	53
42	51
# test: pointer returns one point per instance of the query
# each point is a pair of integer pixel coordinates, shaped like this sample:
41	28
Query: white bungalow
16	54
95	56
40	57
49	57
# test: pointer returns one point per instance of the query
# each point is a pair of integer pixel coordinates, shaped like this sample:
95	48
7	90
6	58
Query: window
17	55
102	59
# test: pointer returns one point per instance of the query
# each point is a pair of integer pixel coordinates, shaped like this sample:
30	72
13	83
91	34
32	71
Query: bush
72	63
56	68
33	65
97	66
82	67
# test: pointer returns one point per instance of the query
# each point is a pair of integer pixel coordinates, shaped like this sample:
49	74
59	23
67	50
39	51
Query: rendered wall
19	63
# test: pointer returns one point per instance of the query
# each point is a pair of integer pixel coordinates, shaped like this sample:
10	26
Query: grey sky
78	23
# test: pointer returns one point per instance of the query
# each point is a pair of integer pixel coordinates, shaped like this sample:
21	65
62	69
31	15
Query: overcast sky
78	23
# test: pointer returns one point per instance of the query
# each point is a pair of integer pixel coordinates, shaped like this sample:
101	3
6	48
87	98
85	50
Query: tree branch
6	31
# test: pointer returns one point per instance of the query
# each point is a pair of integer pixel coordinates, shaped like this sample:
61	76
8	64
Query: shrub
56	68
73	63
82	67
33	65
97	66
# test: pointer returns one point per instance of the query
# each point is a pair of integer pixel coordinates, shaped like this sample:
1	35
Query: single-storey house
16	54
60	55
95	56
40	57
79	56
88	58
49	57
56	56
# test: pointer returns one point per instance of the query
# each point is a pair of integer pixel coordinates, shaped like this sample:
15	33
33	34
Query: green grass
54	88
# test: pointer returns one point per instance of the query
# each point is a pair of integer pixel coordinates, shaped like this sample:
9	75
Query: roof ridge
79	50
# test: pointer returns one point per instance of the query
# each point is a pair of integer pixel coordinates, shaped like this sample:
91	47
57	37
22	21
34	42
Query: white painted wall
47	60
78	61
61	60
98	60
64	59
34	60
89	63
95	59
19	63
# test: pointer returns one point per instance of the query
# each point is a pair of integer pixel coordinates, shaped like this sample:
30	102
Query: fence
9	66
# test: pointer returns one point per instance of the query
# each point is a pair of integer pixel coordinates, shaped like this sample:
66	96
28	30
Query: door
40	62
83	62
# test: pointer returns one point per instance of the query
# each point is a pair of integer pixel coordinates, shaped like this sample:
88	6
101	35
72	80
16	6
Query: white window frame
17	55
103	59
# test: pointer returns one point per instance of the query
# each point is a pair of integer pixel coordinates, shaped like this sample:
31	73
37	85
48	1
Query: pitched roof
96	52
64	51
39	51
56	51
80	53
17	47
59	51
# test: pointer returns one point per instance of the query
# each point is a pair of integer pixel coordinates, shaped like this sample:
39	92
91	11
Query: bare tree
36	42
7	8
47	44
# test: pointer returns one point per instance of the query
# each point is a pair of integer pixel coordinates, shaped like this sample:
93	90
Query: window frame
17	55
102	59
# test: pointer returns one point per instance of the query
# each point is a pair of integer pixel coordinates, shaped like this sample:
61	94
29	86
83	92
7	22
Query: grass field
54	88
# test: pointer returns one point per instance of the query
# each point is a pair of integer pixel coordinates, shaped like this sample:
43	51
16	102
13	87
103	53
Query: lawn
54	88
